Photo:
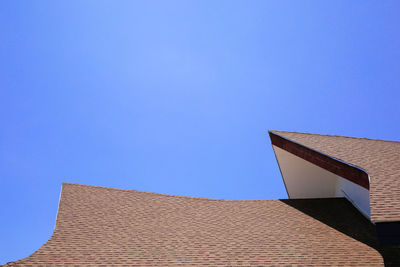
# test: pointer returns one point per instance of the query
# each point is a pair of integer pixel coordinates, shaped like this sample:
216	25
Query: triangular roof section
365	171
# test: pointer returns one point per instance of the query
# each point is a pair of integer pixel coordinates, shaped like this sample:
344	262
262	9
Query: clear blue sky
177	97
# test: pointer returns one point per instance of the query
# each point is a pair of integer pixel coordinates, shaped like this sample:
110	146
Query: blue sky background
176	97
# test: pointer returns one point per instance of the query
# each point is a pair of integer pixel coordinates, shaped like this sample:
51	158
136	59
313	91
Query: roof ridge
163	195
332	135
133	190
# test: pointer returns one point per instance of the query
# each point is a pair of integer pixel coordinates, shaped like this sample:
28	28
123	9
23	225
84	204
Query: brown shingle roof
379	158
103	226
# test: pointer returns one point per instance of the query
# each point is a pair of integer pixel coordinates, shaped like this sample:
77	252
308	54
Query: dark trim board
344	170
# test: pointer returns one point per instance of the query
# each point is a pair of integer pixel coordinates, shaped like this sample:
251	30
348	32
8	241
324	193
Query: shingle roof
379	158
102	226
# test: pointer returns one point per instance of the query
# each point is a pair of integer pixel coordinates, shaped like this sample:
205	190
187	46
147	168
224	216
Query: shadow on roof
342	216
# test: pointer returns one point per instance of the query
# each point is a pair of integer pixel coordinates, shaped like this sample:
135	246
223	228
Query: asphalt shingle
113	227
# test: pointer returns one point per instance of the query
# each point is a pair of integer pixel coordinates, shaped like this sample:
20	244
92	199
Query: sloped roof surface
113	227
379	158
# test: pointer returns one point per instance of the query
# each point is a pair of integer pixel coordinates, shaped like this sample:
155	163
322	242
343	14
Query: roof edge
334	135
20	261
271	132
139	191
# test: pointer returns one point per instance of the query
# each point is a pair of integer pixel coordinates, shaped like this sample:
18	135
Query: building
343	210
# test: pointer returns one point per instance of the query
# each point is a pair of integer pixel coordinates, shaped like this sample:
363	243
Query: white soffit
306	180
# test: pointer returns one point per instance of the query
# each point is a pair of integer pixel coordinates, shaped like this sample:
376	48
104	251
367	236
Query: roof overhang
308	173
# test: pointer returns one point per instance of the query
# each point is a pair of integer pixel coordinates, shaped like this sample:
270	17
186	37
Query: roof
379	158
105	226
